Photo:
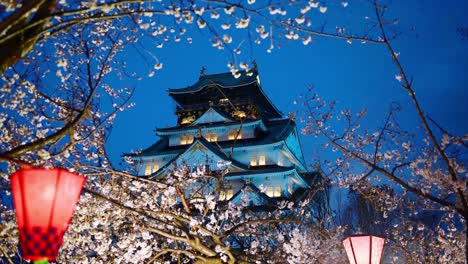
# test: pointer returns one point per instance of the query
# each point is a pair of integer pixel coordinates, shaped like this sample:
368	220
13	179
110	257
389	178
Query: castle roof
223	80
212	115
248	144
277	130
201	143
270	171
225	85
191	129
254	194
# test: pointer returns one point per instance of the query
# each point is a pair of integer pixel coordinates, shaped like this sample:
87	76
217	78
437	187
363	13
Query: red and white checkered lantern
44	201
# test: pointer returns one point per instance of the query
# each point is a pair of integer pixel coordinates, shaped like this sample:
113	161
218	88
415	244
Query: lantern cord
6	255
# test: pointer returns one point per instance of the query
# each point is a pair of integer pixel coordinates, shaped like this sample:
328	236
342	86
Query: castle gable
211	116
251	194
201	152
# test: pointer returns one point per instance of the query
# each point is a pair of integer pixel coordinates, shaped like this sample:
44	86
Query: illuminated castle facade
223	121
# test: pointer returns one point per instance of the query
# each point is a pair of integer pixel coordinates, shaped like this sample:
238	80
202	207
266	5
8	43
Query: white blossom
43	154
243	22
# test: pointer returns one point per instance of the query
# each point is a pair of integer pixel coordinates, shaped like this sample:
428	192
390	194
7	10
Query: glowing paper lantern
44	201
364	249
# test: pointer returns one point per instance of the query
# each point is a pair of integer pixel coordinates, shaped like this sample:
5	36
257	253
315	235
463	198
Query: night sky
356	75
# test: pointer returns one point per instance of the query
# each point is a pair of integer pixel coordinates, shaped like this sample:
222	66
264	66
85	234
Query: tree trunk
24	39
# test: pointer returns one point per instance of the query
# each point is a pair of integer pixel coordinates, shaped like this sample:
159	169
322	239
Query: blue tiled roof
261	170
206	125
268	170
225	80
277	131
247	87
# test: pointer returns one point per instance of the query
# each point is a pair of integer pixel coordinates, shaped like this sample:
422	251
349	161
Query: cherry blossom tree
58	103
126	219
424	164
230	23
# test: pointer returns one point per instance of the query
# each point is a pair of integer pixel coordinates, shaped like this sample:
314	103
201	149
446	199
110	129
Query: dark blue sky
357	75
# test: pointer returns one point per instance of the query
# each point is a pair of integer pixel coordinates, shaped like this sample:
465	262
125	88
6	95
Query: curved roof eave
186	129
187	90
268	99
234	163
254	79
241	175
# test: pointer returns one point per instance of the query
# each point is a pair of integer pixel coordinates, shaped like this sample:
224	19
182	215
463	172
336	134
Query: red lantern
44	201
364	249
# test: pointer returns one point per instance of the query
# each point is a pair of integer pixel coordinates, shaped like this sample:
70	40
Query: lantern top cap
362	235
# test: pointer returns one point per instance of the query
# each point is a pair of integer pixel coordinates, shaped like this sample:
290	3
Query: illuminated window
151	168
239	114
155	167
277	191
269	191
189	139
148	169
261	160
187	120
253	161
225	195
211	137
186	139
232	135
273	191
229	194
223	101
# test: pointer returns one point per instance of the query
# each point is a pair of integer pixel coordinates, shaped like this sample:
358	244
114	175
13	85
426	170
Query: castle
224	122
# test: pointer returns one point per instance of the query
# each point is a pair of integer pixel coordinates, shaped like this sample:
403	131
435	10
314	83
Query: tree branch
234	228
177	251
408	87
4	252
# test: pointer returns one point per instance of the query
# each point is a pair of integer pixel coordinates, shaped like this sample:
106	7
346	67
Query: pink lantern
44	201
364	249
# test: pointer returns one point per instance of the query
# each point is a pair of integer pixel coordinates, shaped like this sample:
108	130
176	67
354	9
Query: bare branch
408	87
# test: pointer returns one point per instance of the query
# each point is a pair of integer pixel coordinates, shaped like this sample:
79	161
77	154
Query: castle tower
223	121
